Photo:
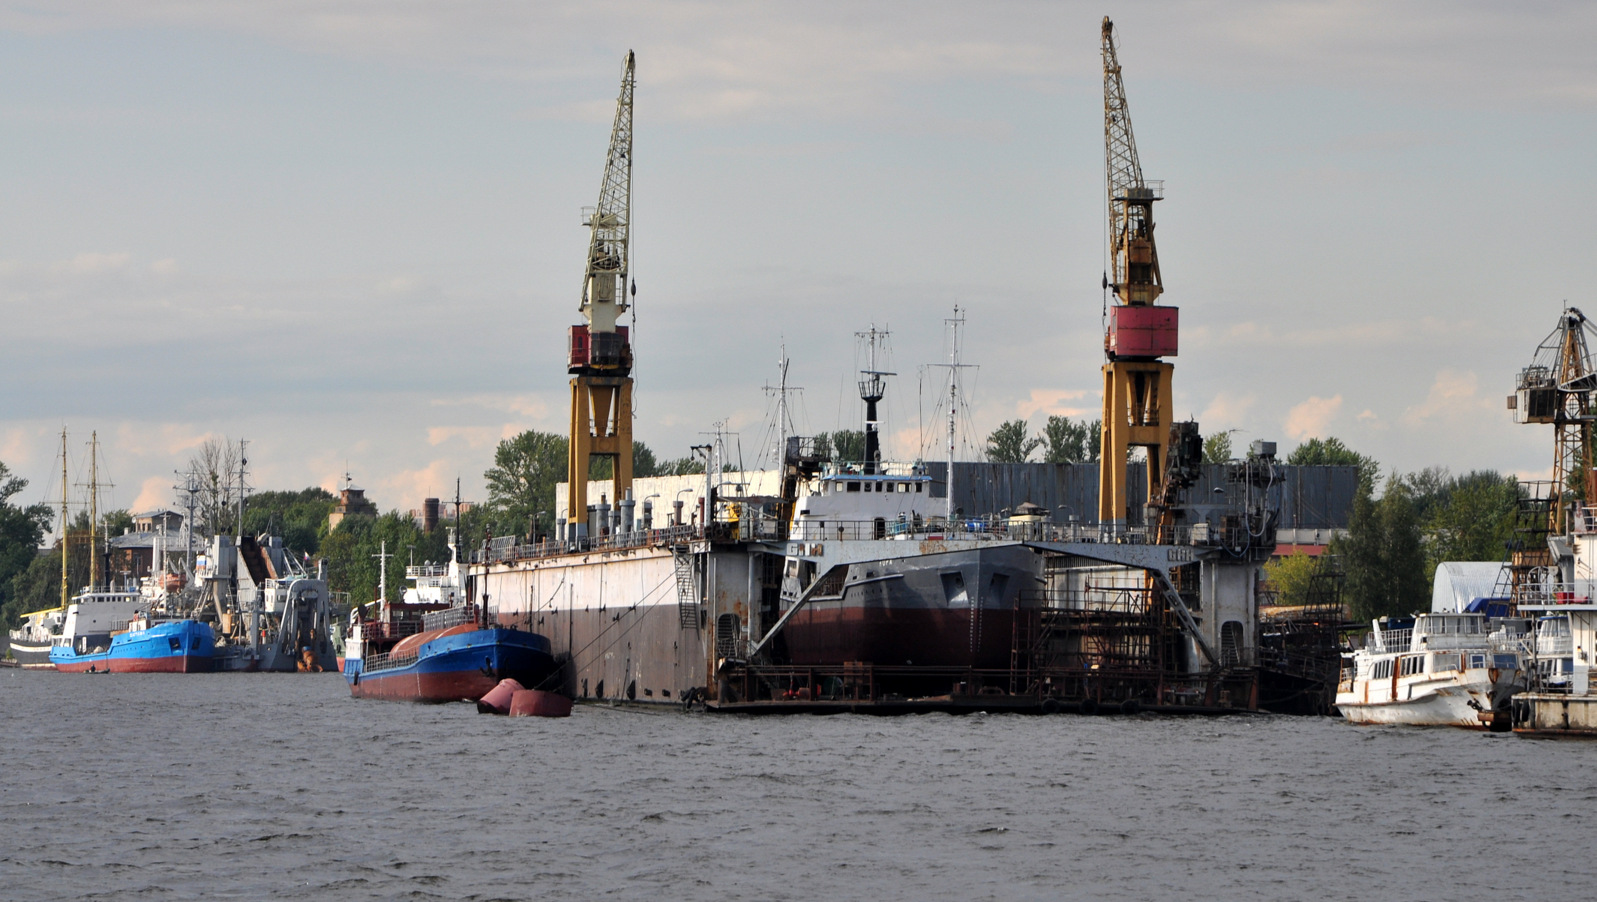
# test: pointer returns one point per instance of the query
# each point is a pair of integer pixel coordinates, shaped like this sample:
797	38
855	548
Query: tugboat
438	645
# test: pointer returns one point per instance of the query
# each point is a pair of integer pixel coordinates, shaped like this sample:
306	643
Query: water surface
232	786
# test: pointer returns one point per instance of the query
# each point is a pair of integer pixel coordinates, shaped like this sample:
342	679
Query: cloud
154	492
473	436
407	489
1226	410
1052	402
1311	418
1453	394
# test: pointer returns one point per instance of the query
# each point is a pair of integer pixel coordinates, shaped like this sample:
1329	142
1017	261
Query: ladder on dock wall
687	588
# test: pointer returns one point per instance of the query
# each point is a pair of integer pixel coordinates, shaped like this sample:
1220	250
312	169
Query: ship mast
65	592
94	509
784	415
871	389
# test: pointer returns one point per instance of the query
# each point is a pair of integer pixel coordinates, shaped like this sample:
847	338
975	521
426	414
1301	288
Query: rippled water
279	786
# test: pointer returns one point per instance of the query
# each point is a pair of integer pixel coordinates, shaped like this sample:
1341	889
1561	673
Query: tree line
1401	527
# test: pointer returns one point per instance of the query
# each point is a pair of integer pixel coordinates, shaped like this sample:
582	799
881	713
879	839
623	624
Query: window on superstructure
853	486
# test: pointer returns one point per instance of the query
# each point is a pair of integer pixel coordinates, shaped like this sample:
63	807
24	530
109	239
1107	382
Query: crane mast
600	351
1555	389
1138	332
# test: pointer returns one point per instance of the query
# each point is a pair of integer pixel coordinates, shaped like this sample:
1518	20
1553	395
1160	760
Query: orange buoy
538	703
497	699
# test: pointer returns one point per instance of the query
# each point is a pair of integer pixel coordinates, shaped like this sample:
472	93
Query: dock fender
1088	706
1130	706
1050	705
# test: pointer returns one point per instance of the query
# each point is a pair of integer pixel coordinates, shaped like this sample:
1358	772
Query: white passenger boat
1454	669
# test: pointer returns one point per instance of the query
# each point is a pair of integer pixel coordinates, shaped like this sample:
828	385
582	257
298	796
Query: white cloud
1053	402
1454	395
1311	418
1227	410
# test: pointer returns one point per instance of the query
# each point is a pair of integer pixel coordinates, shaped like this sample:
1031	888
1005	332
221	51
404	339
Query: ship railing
638	538
1557	593
1390	640
425	571
388	660
1552	646
442	620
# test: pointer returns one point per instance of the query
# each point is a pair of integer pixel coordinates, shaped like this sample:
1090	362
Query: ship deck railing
441	620
1390	641
670	536
388	660
425	571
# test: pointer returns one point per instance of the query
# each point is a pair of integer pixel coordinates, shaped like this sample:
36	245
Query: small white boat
1454	669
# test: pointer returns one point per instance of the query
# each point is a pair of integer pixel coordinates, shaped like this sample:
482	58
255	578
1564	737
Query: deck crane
1556	388
1138	332
600	351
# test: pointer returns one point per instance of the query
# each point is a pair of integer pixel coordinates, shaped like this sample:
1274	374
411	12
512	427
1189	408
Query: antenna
243	464
784	416
953	366
190	488
382	557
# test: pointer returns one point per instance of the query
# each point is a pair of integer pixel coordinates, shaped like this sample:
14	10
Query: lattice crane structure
1556	389
600	351
1138	332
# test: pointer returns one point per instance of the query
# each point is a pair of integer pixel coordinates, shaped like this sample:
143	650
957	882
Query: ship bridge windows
1441	663
1411	664
853	485
1381	670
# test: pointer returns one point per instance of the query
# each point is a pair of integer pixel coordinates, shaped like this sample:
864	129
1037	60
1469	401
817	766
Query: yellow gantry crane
1138	332
600	351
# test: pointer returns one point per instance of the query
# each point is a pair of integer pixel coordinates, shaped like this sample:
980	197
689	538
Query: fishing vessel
438	644
107	630
113	632
1437	669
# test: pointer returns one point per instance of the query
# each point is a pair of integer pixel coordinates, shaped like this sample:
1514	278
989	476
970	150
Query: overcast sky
349	231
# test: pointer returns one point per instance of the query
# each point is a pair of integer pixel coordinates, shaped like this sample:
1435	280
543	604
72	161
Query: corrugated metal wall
1311	497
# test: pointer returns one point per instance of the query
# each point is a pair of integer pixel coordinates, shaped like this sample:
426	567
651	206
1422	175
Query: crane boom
1134	270
604	284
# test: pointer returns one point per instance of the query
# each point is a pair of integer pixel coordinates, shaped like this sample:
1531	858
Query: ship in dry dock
831	584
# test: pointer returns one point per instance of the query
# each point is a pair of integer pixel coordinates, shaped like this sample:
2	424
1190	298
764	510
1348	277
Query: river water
280	786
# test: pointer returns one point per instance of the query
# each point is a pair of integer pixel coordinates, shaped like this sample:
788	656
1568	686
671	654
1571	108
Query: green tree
681	466
1465	518
1383	554
844	445
1332	452
1292	577
36	588
522	481
21	530
299	517
351	553
1217	447
1008	444
117	522
1068	442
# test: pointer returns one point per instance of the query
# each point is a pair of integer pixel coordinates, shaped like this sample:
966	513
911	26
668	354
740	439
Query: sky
348	232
